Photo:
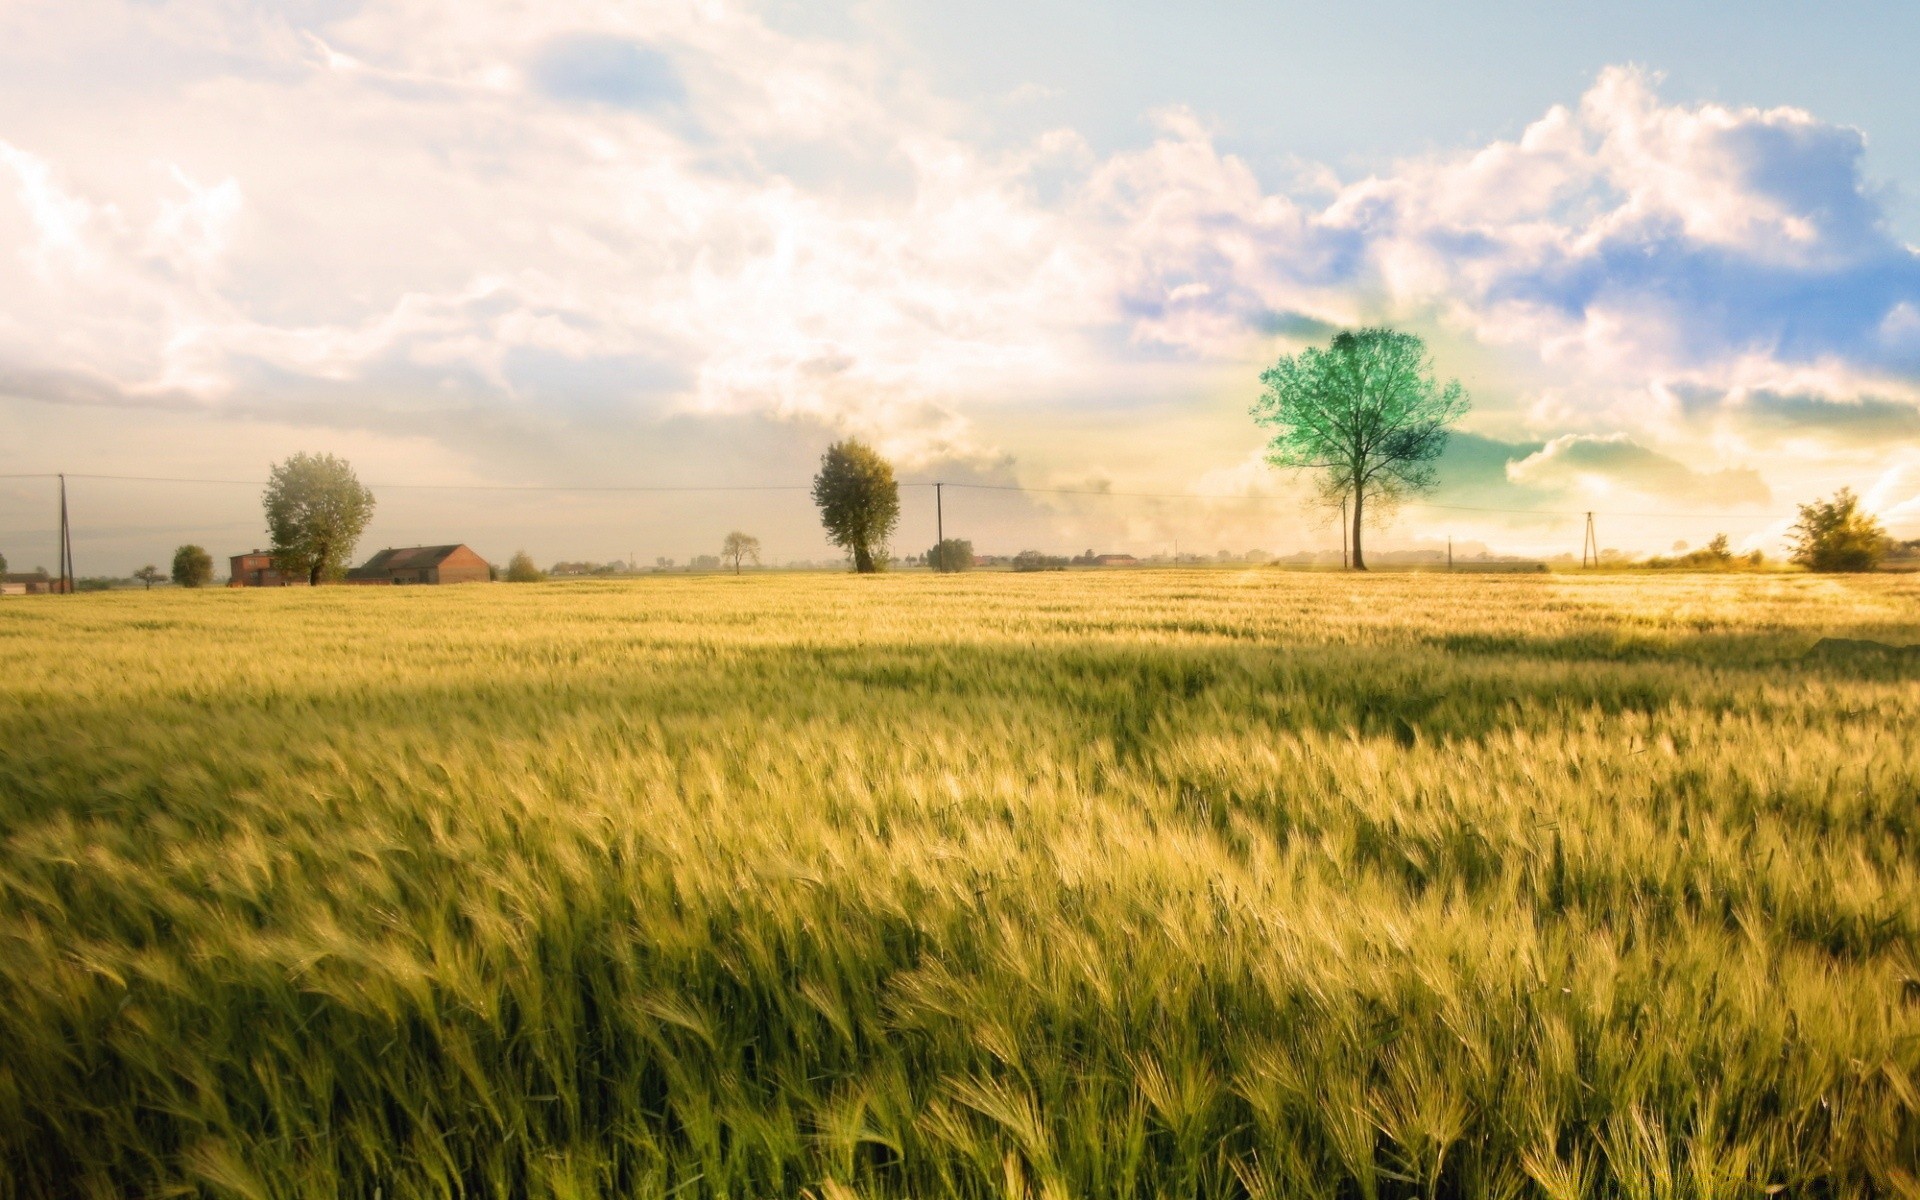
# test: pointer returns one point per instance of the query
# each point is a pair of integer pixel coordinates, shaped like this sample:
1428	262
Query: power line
464	487
978	487
1526	512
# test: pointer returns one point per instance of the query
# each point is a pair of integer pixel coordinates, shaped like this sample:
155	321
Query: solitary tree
3	564
316	511
740	546
192	566
147	575
859	502
1835	535
521	569
1366	412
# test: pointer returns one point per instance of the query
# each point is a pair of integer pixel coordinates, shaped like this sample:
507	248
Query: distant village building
423	564
28	583
255	569
1115	560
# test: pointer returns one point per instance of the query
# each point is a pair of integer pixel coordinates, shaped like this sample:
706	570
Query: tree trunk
1359	501
862	560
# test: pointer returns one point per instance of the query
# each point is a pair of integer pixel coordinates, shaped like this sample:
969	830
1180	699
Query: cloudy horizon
691	244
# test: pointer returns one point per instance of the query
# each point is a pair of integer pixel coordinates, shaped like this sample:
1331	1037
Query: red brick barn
423	564
255	569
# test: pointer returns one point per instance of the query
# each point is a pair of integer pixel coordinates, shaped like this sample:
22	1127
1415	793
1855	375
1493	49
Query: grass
1154	884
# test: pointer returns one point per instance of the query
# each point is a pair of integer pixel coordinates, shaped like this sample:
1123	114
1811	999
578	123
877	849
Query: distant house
255	569
423	564
1115	560
28	583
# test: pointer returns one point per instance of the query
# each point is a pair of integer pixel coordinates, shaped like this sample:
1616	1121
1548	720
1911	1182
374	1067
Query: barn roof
407	558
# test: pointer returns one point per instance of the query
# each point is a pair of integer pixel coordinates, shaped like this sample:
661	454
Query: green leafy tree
954	554
147	575
316	511
859	502
1366	412
192	566
1836	535
3	564
521	569
740	546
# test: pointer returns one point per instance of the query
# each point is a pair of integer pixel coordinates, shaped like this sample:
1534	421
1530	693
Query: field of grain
1152	884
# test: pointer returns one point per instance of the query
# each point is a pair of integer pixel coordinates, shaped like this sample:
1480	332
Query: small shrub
521	569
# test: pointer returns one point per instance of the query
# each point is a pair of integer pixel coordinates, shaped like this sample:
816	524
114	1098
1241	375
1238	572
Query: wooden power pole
1589	546
66	543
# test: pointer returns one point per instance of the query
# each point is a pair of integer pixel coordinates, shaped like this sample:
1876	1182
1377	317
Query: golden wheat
1136	884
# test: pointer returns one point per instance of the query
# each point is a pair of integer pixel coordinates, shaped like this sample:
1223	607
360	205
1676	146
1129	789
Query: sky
481	250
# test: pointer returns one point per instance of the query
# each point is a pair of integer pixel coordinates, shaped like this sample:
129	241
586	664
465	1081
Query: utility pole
66	543
1449	552
1589	545
939	527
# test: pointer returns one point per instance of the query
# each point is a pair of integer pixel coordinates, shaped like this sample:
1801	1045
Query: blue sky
1668	249
1359	86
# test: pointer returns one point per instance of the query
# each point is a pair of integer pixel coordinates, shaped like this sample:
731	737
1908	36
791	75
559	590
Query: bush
520	569
192	566
1835	535
954	554
1716	553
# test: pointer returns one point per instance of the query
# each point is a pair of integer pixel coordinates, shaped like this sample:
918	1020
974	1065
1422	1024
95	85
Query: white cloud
54	233
1601	468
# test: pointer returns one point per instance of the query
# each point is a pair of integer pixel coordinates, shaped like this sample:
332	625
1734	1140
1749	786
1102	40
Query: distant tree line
1716	554
1034	560
1365	413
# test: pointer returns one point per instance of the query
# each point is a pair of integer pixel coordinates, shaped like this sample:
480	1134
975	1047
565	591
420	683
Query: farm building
423	564
1116	560
255	569
28	583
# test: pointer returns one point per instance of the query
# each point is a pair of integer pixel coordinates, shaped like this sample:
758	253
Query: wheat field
1150	884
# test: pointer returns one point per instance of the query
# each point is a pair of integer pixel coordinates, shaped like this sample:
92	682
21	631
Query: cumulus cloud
1768	414
1607	465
